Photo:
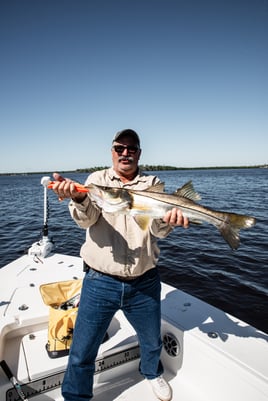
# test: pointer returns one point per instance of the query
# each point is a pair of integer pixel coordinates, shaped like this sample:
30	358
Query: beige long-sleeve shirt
115	244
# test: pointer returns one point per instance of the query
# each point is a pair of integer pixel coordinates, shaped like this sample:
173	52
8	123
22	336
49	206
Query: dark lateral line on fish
204	213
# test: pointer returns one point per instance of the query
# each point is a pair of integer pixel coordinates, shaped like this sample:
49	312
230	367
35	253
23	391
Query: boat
207	354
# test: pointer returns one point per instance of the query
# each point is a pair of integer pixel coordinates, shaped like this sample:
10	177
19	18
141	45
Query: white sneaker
161	388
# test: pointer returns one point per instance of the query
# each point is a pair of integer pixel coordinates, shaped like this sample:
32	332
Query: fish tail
231	225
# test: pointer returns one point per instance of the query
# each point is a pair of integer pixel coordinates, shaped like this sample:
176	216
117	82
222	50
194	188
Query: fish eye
113	192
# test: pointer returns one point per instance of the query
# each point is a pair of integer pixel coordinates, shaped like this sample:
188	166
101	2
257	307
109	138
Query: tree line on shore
143	167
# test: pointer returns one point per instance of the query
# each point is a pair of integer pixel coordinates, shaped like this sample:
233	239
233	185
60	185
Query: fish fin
232	225
156	188
142	221
188	191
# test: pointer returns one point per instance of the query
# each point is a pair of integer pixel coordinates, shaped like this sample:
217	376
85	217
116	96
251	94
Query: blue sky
190	76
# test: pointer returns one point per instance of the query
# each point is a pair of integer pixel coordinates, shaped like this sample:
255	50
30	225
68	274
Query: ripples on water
196	260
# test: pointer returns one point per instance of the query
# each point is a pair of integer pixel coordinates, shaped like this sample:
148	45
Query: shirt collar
140	177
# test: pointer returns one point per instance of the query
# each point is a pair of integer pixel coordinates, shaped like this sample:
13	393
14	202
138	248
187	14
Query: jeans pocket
92	274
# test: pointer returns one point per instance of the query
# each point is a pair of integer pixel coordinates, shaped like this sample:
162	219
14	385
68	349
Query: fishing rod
13	380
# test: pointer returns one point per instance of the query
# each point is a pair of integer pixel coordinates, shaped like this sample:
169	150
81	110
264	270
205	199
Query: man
120	262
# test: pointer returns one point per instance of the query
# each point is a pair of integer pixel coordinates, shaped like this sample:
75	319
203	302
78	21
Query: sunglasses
120	149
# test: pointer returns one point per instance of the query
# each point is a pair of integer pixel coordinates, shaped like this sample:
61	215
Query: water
196	260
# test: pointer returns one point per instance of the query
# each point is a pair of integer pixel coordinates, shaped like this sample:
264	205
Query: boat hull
207	354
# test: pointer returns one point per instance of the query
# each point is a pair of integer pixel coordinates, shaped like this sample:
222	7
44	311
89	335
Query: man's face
125	155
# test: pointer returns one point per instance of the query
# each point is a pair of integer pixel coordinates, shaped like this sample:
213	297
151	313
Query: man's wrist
79	199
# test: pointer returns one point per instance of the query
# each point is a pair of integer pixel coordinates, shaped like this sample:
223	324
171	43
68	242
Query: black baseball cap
127	132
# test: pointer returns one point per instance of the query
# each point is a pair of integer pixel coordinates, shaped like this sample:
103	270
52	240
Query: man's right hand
65	188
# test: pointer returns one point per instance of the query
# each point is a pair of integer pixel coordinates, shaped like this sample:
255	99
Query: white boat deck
216	356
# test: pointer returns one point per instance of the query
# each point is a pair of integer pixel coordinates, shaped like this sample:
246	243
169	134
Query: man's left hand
175	217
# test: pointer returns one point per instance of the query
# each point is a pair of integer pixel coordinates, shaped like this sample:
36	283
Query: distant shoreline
145	167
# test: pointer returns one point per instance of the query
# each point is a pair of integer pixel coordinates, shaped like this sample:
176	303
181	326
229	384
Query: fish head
111	200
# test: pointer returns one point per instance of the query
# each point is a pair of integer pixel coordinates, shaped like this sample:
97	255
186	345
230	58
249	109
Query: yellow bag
62	297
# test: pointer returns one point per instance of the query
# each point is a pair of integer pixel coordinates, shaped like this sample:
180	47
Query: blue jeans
101	297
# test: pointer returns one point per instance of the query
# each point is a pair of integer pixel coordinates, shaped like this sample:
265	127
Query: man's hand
65	188
175	217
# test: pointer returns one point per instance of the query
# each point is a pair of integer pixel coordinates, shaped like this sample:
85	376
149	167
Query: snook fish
154	203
